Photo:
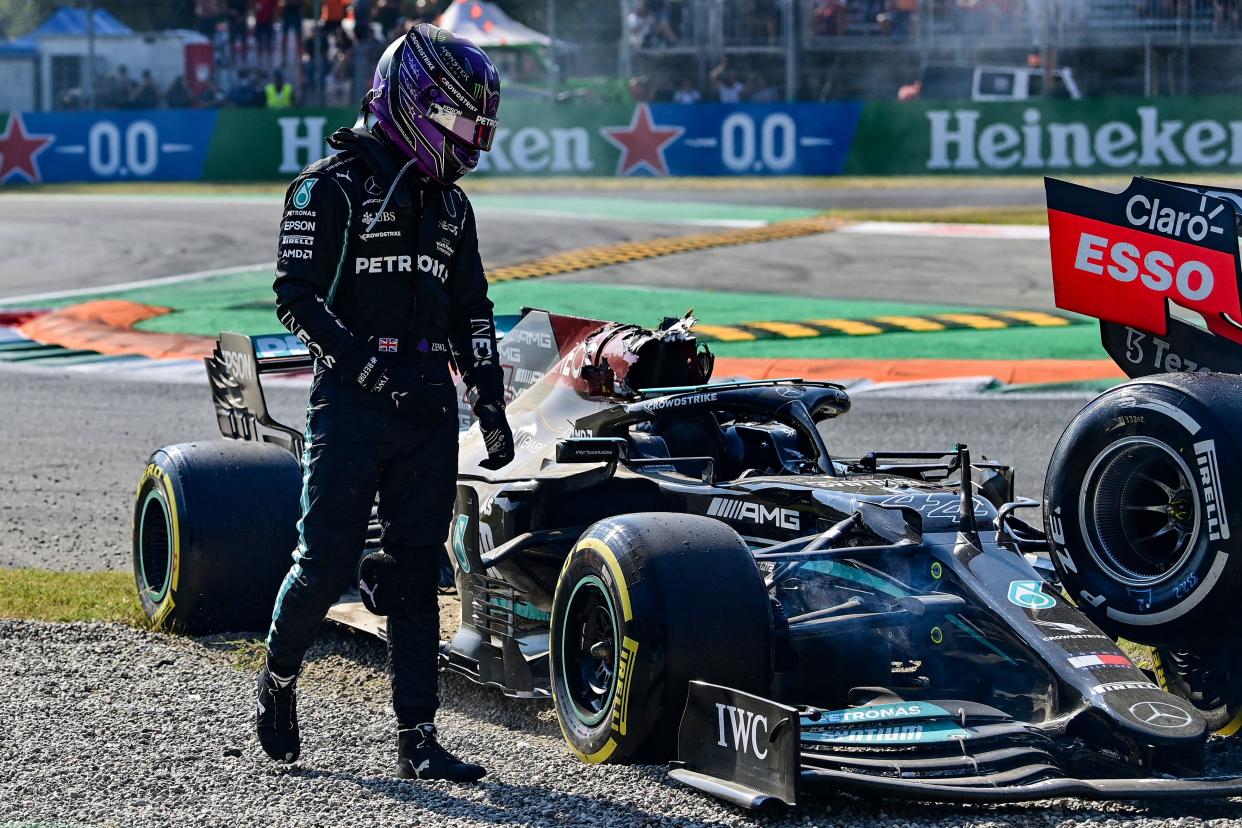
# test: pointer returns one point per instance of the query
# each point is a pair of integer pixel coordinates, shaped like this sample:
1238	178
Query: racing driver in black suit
378	272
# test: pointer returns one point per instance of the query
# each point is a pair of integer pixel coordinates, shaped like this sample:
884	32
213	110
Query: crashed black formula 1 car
689	573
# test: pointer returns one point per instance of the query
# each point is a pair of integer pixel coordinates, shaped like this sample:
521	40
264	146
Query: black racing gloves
417	397
497	435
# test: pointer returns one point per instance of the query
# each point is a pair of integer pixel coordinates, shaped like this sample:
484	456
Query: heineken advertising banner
535	138
1120	135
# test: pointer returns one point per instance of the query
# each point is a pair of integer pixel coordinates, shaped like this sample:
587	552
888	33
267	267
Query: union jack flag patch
387	345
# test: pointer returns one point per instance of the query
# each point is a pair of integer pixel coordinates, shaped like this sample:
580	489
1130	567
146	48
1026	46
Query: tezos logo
1030	595
731	509
745	726
303	196
1209	480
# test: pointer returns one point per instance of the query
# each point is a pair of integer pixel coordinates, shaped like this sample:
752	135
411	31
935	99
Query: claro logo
743	732
1148	214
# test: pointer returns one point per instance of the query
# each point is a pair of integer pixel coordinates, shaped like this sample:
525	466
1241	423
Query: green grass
40	595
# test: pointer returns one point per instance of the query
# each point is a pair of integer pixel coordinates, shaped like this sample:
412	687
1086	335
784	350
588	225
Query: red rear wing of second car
1126	257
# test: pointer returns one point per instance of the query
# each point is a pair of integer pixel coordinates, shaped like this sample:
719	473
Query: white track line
139	198
163	280
946	230
482	207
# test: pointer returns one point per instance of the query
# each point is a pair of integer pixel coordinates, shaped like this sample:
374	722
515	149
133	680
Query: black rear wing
233	372
1145	261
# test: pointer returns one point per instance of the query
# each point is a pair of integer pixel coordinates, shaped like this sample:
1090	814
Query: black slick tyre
214	527
646	603
1142	504
1210	679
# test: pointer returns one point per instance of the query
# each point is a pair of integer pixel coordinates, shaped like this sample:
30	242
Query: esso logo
1156	269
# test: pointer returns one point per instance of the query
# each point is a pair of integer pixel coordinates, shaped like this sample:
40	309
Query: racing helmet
435	97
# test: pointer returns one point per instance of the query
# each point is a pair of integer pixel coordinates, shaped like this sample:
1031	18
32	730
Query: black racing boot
420	756
277	723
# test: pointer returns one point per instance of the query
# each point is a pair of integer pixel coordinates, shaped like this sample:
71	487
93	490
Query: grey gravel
107	725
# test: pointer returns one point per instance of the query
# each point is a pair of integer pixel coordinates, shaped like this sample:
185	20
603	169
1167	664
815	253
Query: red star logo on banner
19	150
642	143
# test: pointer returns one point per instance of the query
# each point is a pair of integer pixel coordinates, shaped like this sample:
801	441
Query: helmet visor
476	132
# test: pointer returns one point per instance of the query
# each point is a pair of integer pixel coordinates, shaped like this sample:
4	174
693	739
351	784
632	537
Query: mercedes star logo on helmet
1160	714
790	391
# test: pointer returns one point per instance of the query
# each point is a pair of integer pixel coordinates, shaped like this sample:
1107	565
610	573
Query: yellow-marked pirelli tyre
214	526
646	603
1210	679
1143	507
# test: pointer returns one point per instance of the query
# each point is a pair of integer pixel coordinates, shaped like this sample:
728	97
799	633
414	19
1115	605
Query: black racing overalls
370	264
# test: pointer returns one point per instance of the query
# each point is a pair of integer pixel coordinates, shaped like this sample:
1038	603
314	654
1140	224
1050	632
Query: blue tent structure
74	22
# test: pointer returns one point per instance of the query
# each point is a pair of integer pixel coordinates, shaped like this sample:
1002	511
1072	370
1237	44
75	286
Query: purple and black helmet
435	96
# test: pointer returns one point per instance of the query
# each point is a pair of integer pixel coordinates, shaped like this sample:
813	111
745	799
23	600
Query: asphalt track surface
55	243
75	446
70	243
874	195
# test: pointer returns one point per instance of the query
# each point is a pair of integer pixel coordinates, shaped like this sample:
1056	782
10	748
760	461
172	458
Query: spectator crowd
271	53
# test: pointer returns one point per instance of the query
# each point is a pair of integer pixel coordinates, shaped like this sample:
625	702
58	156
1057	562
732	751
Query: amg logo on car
1209	479
541	339
744	727
732	509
